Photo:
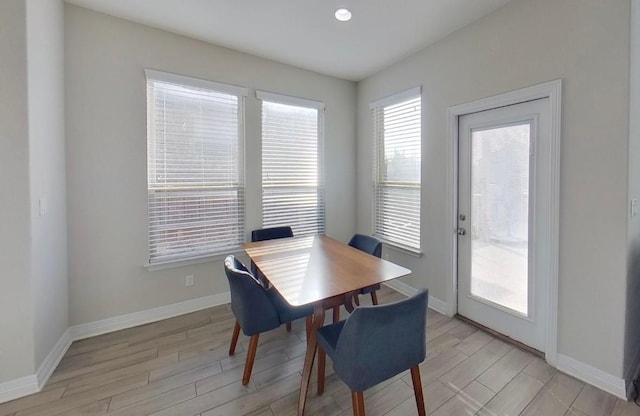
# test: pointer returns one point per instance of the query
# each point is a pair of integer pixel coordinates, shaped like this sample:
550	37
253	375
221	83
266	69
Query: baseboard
401	287
54	357
592	375
33	383
92	329
434	303
441	306
20	387
15	389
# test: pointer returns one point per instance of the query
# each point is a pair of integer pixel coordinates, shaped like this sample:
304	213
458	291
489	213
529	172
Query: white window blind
194	161
292	189
397	169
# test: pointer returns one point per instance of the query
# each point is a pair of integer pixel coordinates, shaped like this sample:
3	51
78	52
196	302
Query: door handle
461	231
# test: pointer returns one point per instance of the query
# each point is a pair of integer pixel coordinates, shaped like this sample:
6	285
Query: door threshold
502	337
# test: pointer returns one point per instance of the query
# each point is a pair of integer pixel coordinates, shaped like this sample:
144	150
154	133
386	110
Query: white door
503	216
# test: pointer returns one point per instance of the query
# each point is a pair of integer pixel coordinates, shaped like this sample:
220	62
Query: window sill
170	264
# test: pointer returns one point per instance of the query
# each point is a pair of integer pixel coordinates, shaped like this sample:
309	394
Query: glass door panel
500	215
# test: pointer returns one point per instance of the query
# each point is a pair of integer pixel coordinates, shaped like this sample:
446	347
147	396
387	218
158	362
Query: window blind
398	169
292	191
194	161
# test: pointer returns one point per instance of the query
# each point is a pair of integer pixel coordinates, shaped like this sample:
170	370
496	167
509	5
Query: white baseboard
434	303
92	329
401	287
54	357
441	306
20	387
592	375
33	383
14	389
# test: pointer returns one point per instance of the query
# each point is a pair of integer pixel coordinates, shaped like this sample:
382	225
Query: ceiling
304	33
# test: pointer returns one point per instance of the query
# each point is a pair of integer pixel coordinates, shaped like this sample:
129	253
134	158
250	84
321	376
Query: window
292	191
397	169
195	169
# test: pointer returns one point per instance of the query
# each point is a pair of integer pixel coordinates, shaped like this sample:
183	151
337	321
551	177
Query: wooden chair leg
357	400
234	338
322	359
336	314
308	325
356	300
417	389
251	357
288	326
374	298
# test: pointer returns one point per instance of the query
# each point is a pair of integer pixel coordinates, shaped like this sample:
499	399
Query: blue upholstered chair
268	234
374	344
272	233
256	309
372	246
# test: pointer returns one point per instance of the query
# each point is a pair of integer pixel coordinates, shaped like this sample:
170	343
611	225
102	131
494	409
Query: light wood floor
180	367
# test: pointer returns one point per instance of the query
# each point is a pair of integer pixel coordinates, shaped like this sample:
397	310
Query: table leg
348	301
318	321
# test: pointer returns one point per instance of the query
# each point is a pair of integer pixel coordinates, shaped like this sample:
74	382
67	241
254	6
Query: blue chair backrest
249	300
378	342
271	233
367	244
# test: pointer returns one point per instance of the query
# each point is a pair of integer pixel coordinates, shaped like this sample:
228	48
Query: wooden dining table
321	271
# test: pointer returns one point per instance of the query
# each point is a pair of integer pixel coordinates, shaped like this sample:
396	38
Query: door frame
553	91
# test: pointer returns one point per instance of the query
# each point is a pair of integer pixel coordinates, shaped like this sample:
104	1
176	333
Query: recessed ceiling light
343	15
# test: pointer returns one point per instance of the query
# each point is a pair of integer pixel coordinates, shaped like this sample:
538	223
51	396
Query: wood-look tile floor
180	366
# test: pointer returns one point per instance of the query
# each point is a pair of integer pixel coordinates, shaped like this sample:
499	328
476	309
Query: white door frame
553	91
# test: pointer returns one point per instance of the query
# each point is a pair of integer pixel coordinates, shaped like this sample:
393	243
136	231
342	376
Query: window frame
198	256
378	172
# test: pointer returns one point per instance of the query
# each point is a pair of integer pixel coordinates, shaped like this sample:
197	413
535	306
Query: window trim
289	100
393	99
397	98
195	82
241	93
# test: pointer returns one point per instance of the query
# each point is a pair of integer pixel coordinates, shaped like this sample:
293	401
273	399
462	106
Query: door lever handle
461	231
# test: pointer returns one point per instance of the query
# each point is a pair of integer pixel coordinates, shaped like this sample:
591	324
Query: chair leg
357	400
356	300
374	298
234	338
322	359
336	314
308	325
251	357
288	326
417	389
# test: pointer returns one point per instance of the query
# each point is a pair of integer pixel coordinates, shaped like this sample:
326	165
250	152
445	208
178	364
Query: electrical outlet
188	280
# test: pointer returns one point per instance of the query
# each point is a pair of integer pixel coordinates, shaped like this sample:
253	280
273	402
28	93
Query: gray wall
586	43
33	266
632	343
45	44
106	156
16	331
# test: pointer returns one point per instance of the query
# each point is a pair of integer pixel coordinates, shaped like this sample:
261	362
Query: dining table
320	271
